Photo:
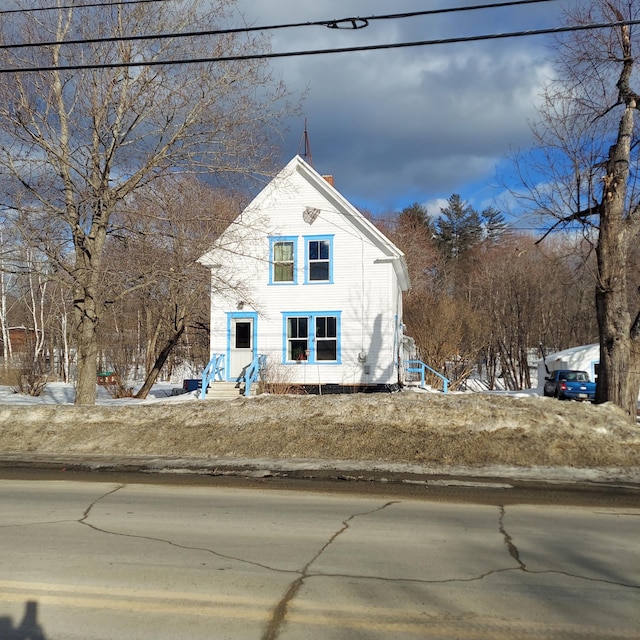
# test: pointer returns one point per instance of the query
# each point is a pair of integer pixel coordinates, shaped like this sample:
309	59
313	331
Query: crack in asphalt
615	583
280	611
88	510
37	524
515	554
508	540
171	543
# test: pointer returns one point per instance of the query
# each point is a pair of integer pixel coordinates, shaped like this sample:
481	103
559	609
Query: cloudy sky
415	124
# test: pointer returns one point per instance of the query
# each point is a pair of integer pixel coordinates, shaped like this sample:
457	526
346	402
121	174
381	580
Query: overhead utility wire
78	6
128	2
292	54
353	23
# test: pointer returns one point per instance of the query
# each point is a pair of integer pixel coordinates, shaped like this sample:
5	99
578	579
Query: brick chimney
329	179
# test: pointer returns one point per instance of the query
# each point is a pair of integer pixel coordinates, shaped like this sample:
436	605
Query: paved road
109	560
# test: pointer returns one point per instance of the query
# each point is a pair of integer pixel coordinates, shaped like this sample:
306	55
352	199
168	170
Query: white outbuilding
582	358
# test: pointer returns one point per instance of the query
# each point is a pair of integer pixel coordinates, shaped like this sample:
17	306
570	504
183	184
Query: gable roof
342	207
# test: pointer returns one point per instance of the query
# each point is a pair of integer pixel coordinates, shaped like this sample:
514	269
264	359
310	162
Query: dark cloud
415	124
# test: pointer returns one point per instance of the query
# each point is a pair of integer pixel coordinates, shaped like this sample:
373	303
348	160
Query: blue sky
415	124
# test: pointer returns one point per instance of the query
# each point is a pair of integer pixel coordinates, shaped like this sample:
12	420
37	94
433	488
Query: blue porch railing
212	372
252	372
215	372
417	366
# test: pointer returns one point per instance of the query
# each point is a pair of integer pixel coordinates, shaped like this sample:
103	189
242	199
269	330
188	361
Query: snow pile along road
414	428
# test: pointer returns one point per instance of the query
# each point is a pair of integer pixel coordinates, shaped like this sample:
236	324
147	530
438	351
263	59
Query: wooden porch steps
220	390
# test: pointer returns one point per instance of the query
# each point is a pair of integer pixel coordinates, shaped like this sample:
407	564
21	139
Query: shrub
29	378
276	379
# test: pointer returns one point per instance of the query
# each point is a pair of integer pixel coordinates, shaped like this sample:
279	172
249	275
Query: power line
78	6
399	15
352	23
431	12
312	52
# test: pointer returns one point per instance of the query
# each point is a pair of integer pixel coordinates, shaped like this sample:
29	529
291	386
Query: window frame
298	338
273	241
330	326
312	339
308	262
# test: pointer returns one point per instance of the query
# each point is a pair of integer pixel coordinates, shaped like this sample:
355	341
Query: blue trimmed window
312	337
318	259
282	260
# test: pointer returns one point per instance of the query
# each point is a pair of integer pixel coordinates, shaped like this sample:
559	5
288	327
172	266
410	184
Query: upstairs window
319	267
283	260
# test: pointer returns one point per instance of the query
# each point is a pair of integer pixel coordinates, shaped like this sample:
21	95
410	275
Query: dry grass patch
475	429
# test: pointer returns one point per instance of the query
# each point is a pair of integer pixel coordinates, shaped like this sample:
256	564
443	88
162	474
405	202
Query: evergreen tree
459	227
416	216
494	225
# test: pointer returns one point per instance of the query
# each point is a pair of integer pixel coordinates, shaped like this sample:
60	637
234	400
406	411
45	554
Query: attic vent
310	214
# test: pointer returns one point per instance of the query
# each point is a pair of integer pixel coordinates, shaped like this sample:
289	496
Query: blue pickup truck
567	384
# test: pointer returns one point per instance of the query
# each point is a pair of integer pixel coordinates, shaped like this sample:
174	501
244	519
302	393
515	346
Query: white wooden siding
365	292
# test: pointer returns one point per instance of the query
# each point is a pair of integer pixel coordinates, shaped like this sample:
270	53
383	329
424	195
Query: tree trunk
160	360
618	379
6	336
65	340
86	327
153	333
618	376
87	308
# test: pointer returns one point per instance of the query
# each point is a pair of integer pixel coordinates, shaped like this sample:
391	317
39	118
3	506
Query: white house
304	284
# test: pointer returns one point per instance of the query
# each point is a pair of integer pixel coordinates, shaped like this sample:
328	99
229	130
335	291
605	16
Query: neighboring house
303	281
21	340
583	358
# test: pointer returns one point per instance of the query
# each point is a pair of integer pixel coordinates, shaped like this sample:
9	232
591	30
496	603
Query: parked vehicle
567	384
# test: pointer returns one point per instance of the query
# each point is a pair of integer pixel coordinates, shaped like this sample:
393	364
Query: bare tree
5	277
76	144
449	334
176	224
588	138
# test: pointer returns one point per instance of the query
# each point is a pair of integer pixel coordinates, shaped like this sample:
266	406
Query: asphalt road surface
117	559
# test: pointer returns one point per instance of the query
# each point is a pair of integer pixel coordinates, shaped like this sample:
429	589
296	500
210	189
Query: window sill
315	362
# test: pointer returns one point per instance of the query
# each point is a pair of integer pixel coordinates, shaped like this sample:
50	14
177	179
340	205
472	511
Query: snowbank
475	430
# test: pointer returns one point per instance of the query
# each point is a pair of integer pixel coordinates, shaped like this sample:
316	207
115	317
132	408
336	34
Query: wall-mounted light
240	305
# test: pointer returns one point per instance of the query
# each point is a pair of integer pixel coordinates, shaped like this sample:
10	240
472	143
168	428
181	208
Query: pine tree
459	227
417	217
494	225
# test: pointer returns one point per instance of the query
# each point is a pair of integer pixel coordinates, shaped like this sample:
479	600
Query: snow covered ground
583	358
61	393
